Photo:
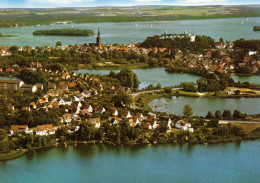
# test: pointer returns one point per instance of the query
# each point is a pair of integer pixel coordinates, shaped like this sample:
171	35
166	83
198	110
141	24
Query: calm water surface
221	163
201	106
230	29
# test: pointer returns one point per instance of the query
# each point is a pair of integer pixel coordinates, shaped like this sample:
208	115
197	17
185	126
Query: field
21	17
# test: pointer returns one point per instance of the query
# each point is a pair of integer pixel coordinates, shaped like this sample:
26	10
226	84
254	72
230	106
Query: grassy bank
12	155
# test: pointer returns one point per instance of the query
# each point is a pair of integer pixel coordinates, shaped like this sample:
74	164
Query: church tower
98	41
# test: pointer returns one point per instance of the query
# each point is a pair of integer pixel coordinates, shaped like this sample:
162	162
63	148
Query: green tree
187	110
58	43
210	115
218	114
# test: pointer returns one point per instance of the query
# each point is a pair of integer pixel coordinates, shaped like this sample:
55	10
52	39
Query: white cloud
60	1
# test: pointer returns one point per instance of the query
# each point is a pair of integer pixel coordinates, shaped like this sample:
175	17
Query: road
149	91
233	121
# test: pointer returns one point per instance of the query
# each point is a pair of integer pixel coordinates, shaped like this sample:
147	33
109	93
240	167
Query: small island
256	28
1	35
64	32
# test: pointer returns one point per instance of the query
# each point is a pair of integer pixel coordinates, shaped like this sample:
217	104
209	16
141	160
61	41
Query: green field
21	17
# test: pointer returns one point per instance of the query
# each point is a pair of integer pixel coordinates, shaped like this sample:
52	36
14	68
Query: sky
93	3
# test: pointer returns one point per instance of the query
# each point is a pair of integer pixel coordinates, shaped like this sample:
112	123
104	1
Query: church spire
98	40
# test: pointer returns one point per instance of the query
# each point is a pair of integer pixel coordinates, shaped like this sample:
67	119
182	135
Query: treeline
215	82
237	115
179	67
247	44
184	44
127	78
65	32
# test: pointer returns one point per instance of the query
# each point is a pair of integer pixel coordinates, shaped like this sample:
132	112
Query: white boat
242	22
151	25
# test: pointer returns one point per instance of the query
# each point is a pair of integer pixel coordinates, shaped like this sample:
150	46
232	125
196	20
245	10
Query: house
84	112
134	121
114	112
66	76
75	107
39	86
75	117
166	122
67	118
65	101
86	93
79	97
51	86
29	87
26	109
183	125
151	122
41	101
33	105
19	129
95	121
9	70
126	114
89	108
139	116
35	65
43	130
11	84
100	110
114	120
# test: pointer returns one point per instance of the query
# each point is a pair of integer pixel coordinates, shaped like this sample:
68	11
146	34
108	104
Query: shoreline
75	143
134	19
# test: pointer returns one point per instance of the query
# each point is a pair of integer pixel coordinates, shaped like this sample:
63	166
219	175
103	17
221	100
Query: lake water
151	76
201	106
125	32
219	163
159	75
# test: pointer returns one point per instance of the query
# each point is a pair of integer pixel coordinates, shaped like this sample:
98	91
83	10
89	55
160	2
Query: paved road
233	121
149	91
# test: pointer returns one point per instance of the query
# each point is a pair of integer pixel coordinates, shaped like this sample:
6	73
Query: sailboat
136	24
151	25
242	22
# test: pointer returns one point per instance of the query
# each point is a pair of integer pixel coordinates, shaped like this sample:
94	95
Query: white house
114	112
45	130
95	121
183	125
100	110
65	101
19	129
126	114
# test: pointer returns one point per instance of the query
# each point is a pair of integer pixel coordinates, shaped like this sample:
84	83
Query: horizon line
127	6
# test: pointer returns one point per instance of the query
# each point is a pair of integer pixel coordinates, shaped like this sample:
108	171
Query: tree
13	49
221	40
218	114
227	114
167	90
58	43
210	115
128	78
187	110
123	99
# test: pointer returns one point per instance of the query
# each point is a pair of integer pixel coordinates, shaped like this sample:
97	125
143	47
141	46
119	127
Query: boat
151	25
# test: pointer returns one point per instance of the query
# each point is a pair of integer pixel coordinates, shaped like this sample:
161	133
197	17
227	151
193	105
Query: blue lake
220	163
